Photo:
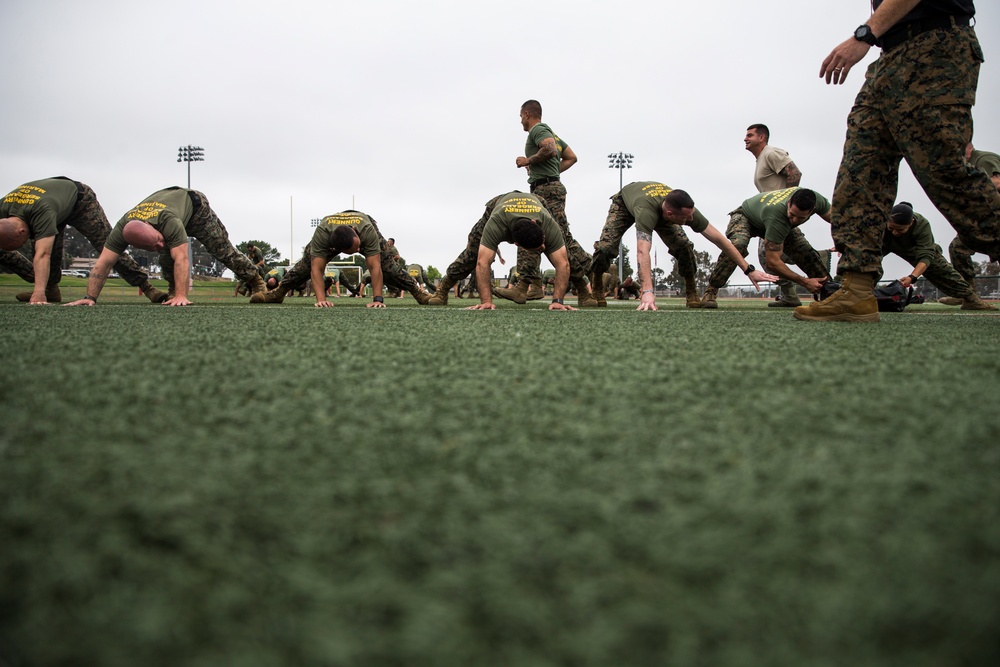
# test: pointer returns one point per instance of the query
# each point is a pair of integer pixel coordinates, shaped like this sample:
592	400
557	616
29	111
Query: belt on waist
901	33
543	181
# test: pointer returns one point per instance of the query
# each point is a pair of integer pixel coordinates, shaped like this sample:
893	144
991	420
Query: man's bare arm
792	175
40	263
568	159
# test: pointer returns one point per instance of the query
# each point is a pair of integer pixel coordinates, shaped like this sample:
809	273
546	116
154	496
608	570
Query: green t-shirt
550	167
278	273
916	244
986	161
371	240
768	213
43	205
643	200
509	208
168	211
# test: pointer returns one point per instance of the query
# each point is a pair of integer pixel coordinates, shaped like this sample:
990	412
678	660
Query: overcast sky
409	111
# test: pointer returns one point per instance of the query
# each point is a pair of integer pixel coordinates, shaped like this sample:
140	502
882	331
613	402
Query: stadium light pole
190	154
621	162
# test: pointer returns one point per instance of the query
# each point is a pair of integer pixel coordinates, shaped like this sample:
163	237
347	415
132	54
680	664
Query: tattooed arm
772	256
98	276
644	243
546	151
792	174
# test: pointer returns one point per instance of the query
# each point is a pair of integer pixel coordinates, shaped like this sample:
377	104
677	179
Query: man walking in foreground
915	102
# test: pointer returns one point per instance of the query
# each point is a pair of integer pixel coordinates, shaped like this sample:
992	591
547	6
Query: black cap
901	213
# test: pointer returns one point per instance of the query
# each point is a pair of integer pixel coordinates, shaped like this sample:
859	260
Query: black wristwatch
750	269
912	278
378	299
865	34
92	298
559	301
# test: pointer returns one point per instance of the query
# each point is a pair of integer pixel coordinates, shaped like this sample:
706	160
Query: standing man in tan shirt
774	171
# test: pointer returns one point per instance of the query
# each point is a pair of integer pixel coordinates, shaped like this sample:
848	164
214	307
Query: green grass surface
283	485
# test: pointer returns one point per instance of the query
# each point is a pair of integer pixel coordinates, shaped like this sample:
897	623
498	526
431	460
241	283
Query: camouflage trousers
961	259
393	275
915	103
465	263
205	226
739	232
942	275
89	219
553	197
620	220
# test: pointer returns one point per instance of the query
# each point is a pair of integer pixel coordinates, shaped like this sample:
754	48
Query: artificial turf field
229	484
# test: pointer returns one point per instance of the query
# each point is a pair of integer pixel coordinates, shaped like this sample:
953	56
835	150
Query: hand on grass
82	302
560	306
647	302
482	306
323	304
177	301
373	304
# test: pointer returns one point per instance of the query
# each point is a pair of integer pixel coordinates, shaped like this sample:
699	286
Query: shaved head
13	233
142	235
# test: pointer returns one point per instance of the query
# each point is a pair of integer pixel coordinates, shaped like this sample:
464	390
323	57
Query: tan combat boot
597	289
691	294
584	299
708	300
277	295
535	290
518	295
788	298
418	293
52	295
154	295
955	301
975	303
853	302
256	285
440	297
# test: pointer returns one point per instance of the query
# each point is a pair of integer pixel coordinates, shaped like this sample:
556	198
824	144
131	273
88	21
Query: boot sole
841	317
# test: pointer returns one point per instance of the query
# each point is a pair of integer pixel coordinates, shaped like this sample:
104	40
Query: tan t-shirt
767	176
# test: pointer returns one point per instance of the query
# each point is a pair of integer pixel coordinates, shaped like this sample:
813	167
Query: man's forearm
41	266
780	269
182	274
644	244
888	14
483	283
